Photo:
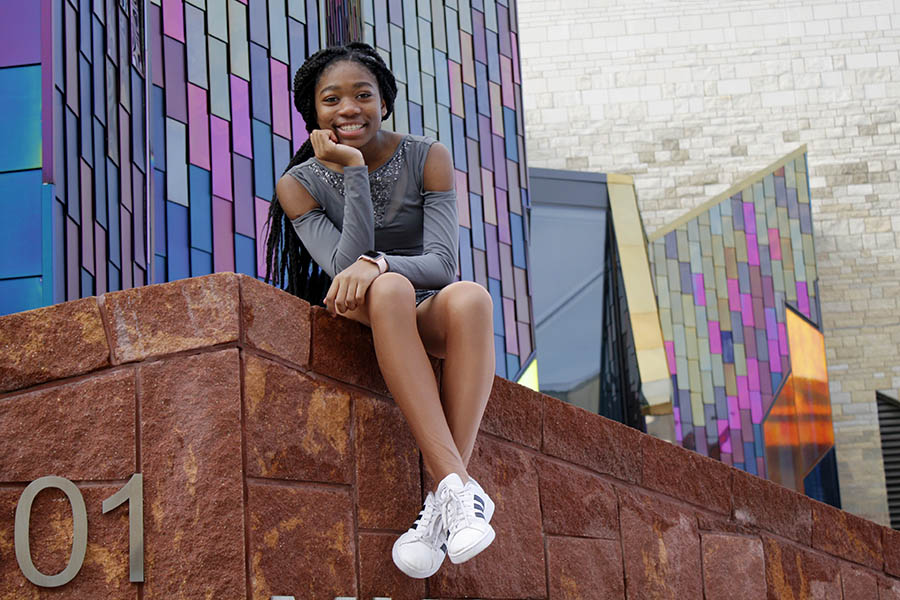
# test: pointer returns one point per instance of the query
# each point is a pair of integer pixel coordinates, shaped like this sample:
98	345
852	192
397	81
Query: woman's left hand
348	288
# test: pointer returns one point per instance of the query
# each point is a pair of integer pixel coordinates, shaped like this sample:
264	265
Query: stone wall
274	462
691	97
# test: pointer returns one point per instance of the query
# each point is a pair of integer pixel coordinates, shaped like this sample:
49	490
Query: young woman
376	212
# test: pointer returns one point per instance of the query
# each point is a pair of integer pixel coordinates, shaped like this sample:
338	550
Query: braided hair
288	262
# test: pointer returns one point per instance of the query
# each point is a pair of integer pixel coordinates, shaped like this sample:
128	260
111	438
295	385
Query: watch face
373	254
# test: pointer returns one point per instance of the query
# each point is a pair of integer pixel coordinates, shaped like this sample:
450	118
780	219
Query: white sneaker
420	551
464	518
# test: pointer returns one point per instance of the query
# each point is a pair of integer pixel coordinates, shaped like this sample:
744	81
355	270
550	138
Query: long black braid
288	263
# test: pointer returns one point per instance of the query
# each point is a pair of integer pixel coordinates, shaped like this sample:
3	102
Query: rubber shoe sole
410	571
475	548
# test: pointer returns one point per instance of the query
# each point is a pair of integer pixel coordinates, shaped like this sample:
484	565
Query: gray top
387	210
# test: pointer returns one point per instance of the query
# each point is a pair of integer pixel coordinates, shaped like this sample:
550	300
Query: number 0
79	531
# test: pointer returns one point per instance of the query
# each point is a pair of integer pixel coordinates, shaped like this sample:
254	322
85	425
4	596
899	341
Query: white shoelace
454	508
427	527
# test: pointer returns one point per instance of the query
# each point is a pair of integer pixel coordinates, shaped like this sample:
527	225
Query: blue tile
512	365
477	220
176	162
87	284
138	147
445	130
495	289
481	87
159	207
312	28
99	72
48	204
509	132
442	78
499	350
415	119
260	99
727	348
113	216
177	241
219	84
263	183
195	39
516	229
282	156
201	263
20	229
470	109
259	31
278	44
72	167
99	175
749	452
201	209
17	295
459	144
157	128
113	278
159	272
465	255
244	255
493	54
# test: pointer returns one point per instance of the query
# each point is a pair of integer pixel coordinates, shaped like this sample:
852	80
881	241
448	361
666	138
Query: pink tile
509	322
734	295
221	157
715	338
774	244
743	392
506	81
298	128
753	374
752	249
734	413
223	235
724	436
670	356
756	407
462	198
749	218
517	77
262	213
747	309
699	290
803	298
198	126
782	339
456	94
774	357
281	103
173	19
502	216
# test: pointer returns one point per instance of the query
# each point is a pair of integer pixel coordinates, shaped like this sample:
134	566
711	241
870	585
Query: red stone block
583	568
104	573
378	576
82	430
581	437
172	317
686	475
514	413
891	543
769	506
857	583
302	542
577	503
513	566
793	572
51	343
662	548
193	484
296	427
847	536
275	321
343	349
733	567
888	589
388	480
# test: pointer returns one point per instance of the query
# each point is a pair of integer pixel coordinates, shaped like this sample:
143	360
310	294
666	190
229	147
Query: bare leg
390	311
457	325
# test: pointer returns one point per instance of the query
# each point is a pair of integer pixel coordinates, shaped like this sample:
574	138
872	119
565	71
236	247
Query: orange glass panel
812	401
782	440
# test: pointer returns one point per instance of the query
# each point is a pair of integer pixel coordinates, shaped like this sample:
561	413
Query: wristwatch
376	258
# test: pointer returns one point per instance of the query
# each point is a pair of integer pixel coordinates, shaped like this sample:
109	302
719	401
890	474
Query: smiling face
348	102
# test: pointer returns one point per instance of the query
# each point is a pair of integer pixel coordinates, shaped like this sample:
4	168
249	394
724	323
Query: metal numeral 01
132	492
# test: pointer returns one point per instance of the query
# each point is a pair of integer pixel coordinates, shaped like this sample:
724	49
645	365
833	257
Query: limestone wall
275	463
692	96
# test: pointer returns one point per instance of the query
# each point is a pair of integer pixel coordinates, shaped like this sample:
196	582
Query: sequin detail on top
381	181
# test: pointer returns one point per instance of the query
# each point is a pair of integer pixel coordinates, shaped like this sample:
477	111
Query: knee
469	301
390	291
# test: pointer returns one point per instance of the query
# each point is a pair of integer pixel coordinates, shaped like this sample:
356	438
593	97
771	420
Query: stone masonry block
888	589
302	542
733	567
172	317
846	536
104	573
890	543
275	321
51	343
82	430
513	566
686	475
761	503
577	503
576	435
388	480
793	572
514	413
582	568
858	583
378	576
662	548
193	484
296	427
343	350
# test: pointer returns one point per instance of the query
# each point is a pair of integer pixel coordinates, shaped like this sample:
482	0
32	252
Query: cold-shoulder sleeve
336	249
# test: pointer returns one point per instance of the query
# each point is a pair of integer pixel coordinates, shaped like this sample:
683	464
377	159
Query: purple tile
509	325
73	284
478	36
100	259
155	41
684	271
298	128
503	23
671	245
743	392
173	19
502	216
125	154
221	158
774	356
724	436
753	375
262	212
749	218
752	249
223	236
749	341
765	379
517	74
87	220
524	334
737	443
715	338
485	146
734	295
281	102
242	142
507	91
756	413
176	97
670	358
771	324
20	26
734	414
198	127
768	291
803	298
747	309
500	174
782	340
699	290
493	252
